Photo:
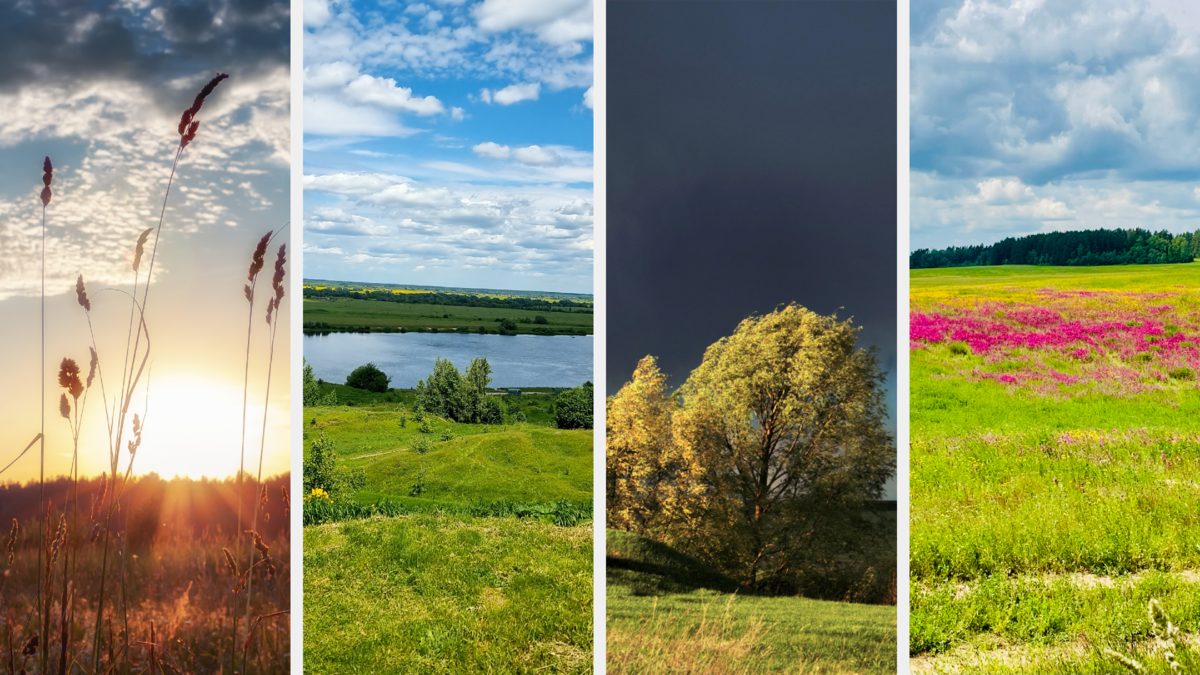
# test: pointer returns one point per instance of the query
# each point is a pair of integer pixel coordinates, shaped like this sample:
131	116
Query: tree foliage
1088	247
460	397
368	377
763	464
312	391
322	472
573	408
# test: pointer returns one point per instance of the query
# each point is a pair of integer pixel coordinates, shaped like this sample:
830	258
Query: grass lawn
440	594
448	593
349	312
1054	486
669	613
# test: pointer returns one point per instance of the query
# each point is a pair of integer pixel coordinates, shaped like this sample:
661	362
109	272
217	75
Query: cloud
316	13
515	93
328	116
383	92
519	230
557	22
537	156
492	150
457	114
1037	116
588	101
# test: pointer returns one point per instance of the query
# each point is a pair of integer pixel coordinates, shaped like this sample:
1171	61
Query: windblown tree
776	445
649	479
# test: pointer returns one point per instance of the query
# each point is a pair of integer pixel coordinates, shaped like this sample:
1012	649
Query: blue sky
1034	115
449	143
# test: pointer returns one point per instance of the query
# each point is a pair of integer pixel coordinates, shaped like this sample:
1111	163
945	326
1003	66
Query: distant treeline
153	507
453	299
1087	247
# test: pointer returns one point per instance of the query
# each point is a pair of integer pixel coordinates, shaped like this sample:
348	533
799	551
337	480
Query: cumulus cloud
515	230
588	101
515	93
1034	115
383	92
558	22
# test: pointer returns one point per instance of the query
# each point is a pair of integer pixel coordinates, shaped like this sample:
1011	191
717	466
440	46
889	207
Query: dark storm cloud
751	163
68	41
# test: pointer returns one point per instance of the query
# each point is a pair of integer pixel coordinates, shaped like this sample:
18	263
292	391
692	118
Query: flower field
1054	468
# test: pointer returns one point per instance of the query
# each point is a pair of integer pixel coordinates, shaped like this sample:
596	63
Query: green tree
508	325
787	417
473	391
312	391
540	319
321	471
573	408
441	393
368	377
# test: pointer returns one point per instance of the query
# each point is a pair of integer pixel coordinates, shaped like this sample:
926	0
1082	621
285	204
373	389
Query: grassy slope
450	594
440	594
668	612
379	314
1000	552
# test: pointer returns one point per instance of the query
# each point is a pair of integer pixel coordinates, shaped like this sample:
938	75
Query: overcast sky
449	142
751	163
1041	116
99	87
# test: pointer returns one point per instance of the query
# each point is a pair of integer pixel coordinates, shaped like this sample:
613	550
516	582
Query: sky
751	163
449	143
99	87
1032	116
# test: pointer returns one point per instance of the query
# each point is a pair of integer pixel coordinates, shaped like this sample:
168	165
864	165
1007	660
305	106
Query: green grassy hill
440	589
525	463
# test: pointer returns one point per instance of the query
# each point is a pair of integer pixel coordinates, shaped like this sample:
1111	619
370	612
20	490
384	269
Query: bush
426	427
573	408
421	445
540	319
321	472
519	417
369	378
312	391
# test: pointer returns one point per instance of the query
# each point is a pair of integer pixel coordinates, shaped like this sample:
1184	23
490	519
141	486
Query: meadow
670	613
354	314
1053	468
419	576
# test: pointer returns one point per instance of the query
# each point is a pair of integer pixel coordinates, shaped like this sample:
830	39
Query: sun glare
193	428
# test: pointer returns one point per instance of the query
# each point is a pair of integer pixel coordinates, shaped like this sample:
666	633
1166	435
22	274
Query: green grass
351	313
447	594
1042	526
668	612
443	589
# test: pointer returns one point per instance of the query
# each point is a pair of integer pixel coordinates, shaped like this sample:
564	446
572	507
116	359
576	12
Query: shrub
312	391
368	377
540	319
1182	373
425	427
446	435
959	349
519	417
322	472
573	408
421	445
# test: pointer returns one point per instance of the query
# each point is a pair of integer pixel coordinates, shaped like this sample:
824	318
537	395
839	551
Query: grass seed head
68	378
81	294
259	258
287	502
31	646
95	363
64	407
141	247
12	542
47	178
187	122
230	563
